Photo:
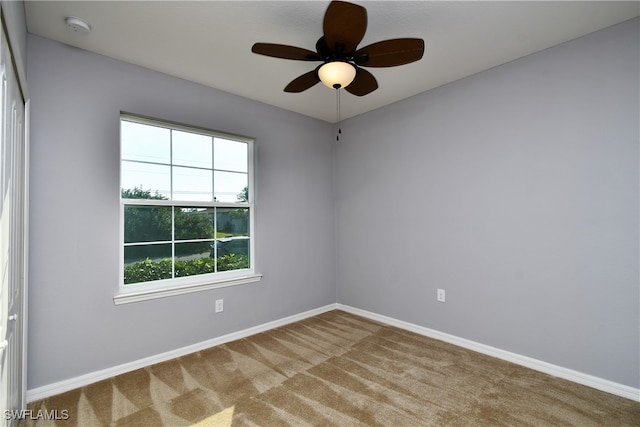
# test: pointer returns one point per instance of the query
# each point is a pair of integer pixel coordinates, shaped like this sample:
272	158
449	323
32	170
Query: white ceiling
209	42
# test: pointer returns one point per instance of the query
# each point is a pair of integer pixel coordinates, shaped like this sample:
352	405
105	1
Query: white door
12	237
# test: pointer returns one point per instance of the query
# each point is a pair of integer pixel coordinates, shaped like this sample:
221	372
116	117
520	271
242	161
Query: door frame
16	63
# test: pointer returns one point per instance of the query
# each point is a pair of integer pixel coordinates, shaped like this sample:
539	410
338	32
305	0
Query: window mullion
153	202
173	242
173	208
147	202
213	169
171	165
215	237
155	242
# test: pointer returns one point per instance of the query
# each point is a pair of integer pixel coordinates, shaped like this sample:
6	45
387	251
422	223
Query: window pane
147	224
193	250
230	155
232	245
191	149
230	186
145	143
238	245
147	262
232	253
194	223
232	222
194	258
155	179
192	184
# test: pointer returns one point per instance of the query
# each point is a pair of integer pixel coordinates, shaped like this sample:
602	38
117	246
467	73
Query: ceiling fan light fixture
337	74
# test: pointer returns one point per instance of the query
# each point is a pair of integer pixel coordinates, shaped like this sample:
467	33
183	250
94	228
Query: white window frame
182	285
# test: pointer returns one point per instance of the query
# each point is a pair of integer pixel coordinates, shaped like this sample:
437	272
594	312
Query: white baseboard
90	378
538	365
528	362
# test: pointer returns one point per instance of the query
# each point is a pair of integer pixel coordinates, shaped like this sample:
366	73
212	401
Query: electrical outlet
219	305
440	295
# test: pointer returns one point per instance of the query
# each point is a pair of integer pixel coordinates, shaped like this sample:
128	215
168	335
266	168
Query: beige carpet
337	369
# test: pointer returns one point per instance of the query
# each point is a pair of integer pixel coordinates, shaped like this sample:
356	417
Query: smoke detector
77	25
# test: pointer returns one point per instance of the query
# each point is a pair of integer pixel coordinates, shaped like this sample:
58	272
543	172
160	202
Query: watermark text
28	414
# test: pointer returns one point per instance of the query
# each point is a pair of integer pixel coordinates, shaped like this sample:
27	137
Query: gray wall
74	327
515	190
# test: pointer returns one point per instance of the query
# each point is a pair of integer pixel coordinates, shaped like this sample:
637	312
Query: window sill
129	297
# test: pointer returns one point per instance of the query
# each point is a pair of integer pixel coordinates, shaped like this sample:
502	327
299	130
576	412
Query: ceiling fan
344	27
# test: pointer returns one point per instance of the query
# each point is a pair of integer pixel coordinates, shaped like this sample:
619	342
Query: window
186	211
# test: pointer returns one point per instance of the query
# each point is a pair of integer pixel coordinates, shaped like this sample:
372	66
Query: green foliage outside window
147	270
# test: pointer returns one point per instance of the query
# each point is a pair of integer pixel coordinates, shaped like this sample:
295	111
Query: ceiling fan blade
363	84
303	82
344	26
285	52
390	53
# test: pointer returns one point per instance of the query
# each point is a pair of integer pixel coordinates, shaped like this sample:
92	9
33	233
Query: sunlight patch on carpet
221	419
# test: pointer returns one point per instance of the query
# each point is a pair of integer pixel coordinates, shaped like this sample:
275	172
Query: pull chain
338	113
